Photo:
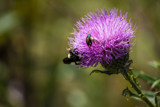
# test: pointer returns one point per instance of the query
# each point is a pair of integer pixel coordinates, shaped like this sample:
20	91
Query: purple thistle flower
110	34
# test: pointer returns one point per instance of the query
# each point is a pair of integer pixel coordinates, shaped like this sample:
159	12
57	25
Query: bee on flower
103	37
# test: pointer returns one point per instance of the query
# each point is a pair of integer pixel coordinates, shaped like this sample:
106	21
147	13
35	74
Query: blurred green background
33	42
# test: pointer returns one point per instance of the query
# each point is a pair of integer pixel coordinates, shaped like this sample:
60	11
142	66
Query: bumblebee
89	40
73	56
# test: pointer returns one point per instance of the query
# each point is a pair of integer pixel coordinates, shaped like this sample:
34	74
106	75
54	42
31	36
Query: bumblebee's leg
76	63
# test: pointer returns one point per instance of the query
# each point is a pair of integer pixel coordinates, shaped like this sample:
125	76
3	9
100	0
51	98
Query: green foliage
157	98
155	64
8	22
150	95
154	81
130	93
153	97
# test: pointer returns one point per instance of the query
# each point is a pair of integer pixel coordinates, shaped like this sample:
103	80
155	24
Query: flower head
102	37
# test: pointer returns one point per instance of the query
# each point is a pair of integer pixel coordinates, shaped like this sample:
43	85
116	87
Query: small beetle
89	40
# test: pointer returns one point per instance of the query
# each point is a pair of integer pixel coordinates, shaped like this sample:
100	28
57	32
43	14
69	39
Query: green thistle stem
132	81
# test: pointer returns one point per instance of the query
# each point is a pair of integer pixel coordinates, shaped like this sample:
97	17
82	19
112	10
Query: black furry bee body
73	56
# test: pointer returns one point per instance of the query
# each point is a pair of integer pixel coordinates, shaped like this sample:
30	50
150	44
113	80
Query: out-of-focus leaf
145	76
150	95
157	100
157	82
148	78
8	22
155	64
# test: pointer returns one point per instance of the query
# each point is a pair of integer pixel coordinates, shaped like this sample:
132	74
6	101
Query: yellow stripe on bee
69	56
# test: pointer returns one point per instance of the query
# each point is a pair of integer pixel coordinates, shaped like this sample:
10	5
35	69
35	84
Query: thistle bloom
111	34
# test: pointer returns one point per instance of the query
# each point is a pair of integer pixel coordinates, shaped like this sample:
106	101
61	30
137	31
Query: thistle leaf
154	81
126	92
157	99
105	72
